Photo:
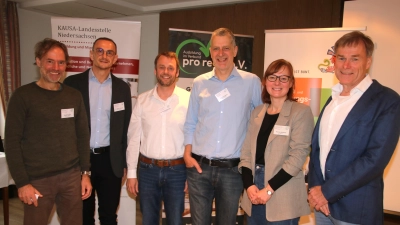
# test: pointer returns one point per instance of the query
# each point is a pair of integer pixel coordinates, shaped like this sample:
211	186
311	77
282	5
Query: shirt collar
210	75
94	78
155	94
361	87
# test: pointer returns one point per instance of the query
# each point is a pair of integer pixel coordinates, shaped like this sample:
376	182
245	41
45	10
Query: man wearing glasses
108	105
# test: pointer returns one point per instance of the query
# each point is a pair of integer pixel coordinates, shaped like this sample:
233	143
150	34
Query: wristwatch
269	192
86	172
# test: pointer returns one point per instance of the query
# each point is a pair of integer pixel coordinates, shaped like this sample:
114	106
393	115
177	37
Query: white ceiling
102	9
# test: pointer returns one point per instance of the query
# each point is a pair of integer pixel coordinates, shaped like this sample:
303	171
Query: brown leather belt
162	162
222	163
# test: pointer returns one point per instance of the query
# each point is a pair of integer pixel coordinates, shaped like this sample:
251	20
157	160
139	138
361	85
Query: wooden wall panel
253	19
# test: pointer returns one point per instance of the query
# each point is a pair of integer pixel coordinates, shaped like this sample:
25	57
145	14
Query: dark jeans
258	212
158	184
223	184
108	189
65	191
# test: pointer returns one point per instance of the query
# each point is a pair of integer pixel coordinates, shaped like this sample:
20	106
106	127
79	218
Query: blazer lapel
358	111
84	88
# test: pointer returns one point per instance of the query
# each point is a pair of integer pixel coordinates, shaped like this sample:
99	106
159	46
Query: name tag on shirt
67	113
119	107
222	95
281	130
165	109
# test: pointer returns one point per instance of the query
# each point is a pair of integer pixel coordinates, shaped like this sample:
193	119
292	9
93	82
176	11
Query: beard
166	83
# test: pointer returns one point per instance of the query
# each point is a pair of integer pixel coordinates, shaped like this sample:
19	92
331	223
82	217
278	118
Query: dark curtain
10	62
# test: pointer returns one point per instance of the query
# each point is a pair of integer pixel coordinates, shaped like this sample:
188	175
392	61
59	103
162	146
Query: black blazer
119	121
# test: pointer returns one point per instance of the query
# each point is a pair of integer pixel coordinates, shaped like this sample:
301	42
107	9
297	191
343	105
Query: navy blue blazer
354	168
119	121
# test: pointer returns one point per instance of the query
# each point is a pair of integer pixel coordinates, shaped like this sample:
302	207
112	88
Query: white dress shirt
156	127
334	115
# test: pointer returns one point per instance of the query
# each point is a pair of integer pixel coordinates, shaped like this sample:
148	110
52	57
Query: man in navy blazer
353	141
108	105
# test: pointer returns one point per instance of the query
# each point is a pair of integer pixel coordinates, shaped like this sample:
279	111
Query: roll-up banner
79	34
193	50
311	52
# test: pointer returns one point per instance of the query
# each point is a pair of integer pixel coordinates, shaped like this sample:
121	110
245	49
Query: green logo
204	49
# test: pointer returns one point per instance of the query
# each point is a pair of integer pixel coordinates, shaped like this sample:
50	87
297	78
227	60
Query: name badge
165	109
67	113
222	95
119	107
281	130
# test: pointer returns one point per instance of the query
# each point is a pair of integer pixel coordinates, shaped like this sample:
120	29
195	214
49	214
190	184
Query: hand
262	196
317	199
189	160
325	209
252	194
124	177
86	186
186	190
132	185
27	194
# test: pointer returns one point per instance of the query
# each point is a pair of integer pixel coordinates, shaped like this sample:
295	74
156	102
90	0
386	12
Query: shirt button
222	111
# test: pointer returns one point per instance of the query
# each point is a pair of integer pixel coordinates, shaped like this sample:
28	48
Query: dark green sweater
38	141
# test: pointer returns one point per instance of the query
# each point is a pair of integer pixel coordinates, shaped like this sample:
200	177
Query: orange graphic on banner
308	91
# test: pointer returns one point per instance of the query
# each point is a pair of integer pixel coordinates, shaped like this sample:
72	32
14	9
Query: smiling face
351	65
277	89
103	55
52	66
223	51
166	71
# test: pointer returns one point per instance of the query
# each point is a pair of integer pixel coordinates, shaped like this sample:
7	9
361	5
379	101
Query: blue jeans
321	219
258	212
223	184
162	183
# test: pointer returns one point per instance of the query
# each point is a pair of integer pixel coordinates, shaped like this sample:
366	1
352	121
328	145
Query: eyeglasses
100	52
282	78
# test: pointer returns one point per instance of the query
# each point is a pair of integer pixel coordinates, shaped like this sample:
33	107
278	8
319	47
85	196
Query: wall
383	27
33	27
253	19
36	26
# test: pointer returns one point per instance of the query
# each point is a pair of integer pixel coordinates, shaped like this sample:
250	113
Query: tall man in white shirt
353	140
156	132
220	105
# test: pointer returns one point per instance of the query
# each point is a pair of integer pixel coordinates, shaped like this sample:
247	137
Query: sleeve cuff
132	173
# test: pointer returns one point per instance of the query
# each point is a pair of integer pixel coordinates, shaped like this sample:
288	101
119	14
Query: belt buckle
92	149
159	163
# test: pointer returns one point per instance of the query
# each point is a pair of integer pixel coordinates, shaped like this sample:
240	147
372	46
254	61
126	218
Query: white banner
79	34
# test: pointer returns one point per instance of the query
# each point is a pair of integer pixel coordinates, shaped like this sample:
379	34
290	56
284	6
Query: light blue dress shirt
217	128
100	106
